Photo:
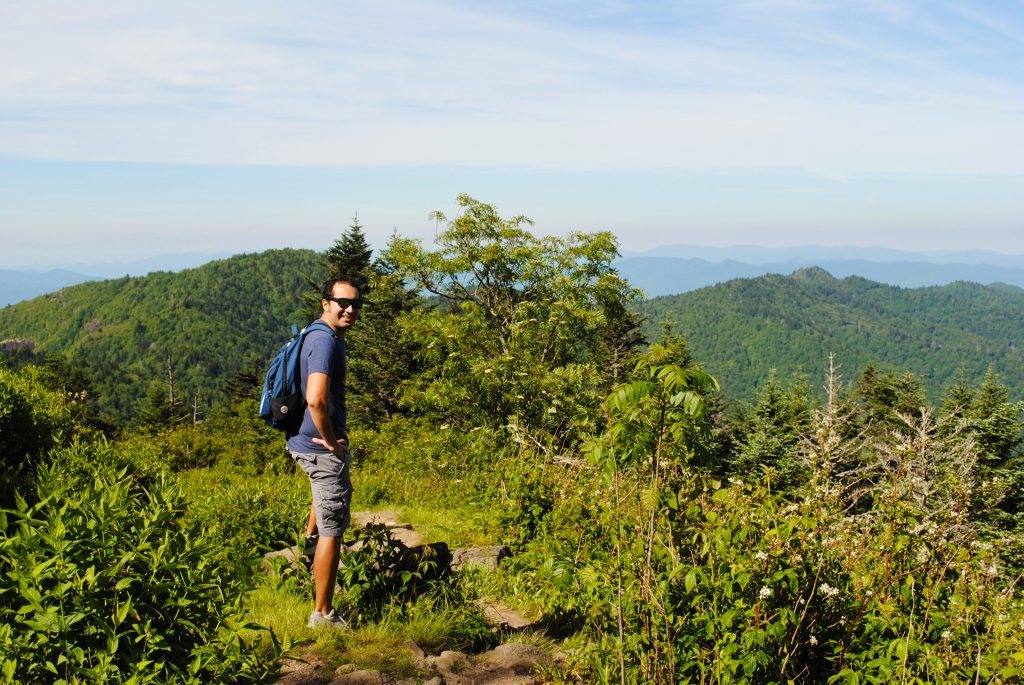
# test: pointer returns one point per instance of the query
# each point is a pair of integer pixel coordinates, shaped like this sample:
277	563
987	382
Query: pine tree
996	422
768	435
380	356
351	255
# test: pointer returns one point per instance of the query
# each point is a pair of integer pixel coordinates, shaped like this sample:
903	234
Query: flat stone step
504	617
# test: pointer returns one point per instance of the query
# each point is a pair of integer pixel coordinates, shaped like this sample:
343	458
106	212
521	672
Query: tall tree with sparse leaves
530	332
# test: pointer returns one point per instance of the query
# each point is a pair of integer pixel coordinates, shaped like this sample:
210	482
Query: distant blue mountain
757	254
666	275
24	284
16	286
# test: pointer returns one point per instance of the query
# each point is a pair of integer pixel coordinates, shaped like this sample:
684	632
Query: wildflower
765	592
828	590
812	641
761	556
946	634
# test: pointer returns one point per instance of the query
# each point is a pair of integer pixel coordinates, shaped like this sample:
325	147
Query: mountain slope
744	328
207	323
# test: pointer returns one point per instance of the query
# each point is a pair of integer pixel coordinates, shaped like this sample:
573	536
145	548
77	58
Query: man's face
337	317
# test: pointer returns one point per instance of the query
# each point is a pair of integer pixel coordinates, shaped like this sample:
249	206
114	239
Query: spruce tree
380	356
351	255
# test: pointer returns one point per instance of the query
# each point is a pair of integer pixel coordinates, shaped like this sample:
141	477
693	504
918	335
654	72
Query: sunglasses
345	302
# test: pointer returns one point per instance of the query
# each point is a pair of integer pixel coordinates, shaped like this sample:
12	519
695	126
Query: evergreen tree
350	254
768	434
380	357
996	422
883	397
161	409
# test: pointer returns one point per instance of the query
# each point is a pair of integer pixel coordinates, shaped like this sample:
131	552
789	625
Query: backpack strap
319	323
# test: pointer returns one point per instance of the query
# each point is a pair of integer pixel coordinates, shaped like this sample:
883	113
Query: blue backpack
282	404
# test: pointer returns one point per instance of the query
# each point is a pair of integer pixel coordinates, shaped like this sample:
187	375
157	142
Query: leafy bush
32	419
376	572
104	581
247	515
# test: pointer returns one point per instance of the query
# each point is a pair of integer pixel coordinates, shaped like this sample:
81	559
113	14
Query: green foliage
240	441
376	573
382	356
876	574
987	421
33	418
350	254
743	329
884	398
768	435
249	515
104	582
665	408
208	323
527	326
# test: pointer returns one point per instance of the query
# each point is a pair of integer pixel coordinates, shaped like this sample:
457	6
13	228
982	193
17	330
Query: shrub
247	515
104	581
32	419
375	572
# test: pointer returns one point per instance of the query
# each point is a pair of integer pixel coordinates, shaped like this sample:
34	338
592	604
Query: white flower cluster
765	592
761	556
828	590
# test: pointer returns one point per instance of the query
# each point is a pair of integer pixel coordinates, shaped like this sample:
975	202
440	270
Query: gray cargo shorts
331	481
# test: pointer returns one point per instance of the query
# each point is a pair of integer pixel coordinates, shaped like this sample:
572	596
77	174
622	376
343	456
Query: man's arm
318	397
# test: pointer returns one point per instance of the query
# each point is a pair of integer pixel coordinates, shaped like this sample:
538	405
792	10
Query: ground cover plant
106	581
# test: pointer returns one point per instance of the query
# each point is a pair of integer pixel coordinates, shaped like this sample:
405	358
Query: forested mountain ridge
214	321
742	329
207	324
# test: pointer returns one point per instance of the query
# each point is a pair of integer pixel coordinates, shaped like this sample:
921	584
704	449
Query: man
321	444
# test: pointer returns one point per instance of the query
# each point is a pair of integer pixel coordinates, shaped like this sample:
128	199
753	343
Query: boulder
518	658
291	555
487	558
503	617
364	677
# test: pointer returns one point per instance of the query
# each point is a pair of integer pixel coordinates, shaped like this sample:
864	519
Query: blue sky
133	128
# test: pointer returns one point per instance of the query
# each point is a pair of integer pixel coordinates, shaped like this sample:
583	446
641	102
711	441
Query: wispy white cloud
783	83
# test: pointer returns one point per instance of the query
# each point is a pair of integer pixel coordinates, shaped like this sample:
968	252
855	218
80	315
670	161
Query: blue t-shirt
322	353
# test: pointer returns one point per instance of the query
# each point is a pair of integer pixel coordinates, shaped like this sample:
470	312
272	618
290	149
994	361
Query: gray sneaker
332	619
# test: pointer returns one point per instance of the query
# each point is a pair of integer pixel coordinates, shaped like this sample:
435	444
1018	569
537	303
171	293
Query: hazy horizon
669	251
238	127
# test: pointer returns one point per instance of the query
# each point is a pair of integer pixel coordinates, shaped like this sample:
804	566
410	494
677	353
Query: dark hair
328	289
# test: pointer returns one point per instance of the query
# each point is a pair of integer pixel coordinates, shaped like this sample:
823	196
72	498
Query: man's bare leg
311	523
325	572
